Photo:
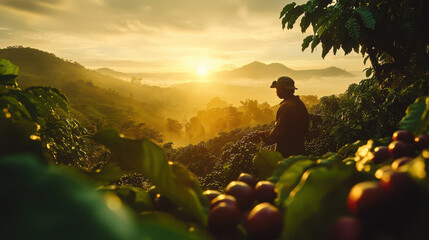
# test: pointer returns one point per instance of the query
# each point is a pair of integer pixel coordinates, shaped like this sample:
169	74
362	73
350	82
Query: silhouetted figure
292	121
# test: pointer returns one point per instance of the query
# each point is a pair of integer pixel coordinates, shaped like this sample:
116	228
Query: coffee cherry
211	194
223	198
264	222
265	191
366	197
247	178
422	142
397	183
400	162
346	228
152	191
380	154
223	217
244	194
404	136
399	149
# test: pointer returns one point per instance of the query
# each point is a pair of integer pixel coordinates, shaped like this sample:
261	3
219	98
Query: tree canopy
393	35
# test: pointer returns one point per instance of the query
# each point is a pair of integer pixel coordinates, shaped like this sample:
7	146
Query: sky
163	35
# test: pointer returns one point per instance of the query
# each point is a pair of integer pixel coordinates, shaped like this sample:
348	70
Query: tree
174	126
393	35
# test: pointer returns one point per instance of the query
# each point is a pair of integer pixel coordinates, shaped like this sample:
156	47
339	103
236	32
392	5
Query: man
292	122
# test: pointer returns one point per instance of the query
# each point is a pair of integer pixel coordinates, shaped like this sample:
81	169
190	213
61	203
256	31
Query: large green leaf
265	162
286	9
291	177
306	42
36	107
52	96
161	225
283	166
107	174
172	180
53	203
353	28
367	17
8	72
416	119
316	202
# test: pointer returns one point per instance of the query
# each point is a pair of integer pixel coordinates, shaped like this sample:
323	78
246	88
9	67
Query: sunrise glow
202	70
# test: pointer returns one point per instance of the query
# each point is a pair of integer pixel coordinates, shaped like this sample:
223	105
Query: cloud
33	6
176	33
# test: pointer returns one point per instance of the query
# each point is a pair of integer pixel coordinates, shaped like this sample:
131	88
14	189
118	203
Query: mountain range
252	71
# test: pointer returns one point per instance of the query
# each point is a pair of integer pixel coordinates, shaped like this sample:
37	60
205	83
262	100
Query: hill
259	71
103	100
252	71
105	97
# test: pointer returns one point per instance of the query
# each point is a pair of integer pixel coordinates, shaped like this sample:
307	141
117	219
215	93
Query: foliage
210	121
346	118
62	137
171	179
392	34
265	163
51	202
417	118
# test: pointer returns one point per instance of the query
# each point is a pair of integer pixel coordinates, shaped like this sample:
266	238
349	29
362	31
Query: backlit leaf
318	199
265	162
171	180
416	119
291	177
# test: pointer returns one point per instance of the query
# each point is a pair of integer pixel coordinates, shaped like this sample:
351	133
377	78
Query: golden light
202	70
113	202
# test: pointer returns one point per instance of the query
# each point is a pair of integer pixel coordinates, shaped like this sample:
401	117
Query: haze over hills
256	71
107	97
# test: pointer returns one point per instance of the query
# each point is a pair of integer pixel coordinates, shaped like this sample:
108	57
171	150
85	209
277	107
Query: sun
202	70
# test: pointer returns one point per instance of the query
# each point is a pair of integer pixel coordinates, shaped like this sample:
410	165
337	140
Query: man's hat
284	82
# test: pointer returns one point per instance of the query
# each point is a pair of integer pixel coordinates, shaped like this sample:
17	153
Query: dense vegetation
364	175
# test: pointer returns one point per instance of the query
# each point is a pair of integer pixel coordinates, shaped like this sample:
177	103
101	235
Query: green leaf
353	28
293	15
108	173
52	96
416	119
349	149
8	72
326	47
7	68
368	72
283	165
316	41
15	107
162	225
318	199
137	198
305	23
291	176
306	42
265	162
47	194
286	9
172	180
367	17
36	107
